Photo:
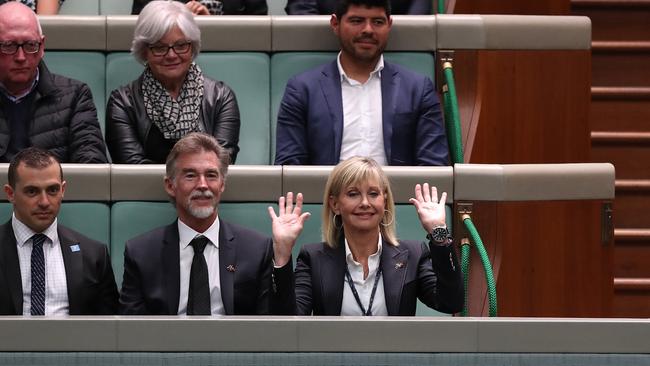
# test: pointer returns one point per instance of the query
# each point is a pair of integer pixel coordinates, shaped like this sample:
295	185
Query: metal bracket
462	208
606	223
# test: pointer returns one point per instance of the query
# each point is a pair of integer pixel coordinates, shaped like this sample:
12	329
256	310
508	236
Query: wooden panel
630	160
620	114
631	259
527	102
537	7
618	23
613	68
632	304
549	268
631	210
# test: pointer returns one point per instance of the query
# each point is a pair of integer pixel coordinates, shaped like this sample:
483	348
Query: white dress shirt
211	255
56	287
364	287
362	116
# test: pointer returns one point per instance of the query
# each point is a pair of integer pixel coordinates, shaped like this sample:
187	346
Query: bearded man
199	264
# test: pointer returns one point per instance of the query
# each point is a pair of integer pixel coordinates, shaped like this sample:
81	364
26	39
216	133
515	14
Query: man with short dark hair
38	108
46	268
359	105
199	264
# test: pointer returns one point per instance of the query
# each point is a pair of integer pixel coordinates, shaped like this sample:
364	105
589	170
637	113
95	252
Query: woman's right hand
286	227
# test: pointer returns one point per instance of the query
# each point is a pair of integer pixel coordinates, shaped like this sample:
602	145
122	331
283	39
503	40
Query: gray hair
159	17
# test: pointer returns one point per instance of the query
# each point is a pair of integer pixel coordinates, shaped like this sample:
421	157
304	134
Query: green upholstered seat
88	218
85	66
80	7
287	64
115	7
247	73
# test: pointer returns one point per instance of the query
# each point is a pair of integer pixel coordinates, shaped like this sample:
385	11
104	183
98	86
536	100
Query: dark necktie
198	299
38	275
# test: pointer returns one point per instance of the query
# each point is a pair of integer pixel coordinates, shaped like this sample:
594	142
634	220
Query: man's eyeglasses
9	48
179	48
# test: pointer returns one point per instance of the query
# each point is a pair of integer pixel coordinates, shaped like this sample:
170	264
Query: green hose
489	276
464	267
452	116
441	6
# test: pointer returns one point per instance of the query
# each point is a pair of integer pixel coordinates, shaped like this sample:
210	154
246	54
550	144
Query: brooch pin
399	265
230	268
74	248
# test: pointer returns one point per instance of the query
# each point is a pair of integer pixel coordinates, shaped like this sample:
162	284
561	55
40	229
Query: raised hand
197	8
430	211
286	226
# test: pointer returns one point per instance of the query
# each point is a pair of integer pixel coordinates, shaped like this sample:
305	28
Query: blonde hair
347	173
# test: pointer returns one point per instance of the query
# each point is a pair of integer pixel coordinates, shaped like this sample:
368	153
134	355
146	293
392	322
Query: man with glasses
39	108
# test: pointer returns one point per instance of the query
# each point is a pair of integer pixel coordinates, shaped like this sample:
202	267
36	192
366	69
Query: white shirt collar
186	233
376	71
349	258
24	233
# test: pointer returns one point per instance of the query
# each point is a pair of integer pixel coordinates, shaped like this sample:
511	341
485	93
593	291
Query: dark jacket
230	7
64	121
410	271
129	130
327	7
89	275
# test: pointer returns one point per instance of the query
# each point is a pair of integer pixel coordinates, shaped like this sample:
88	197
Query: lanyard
356	294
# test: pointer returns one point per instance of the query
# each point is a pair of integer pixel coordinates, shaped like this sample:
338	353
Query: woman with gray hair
172	97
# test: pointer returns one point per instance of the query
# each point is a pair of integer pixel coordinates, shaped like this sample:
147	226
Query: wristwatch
439	235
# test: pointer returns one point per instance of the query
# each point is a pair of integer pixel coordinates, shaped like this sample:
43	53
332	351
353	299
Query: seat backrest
87	67
115	7
80	7
247	73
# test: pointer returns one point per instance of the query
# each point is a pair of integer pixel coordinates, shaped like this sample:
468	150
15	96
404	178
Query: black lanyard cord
356	294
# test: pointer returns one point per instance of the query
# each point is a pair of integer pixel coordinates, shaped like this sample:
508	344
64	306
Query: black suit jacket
410	271
151	284
89	275
327	7
230	7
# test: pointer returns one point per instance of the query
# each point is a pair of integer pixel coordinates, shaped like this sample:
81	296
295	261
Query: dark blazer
151	284
230	7
88	272
310	119
327	7
133	139
410	271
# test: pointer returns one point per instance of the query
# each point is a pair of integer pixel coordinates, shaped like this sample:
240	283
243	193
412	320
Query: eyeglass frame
170	47
22	45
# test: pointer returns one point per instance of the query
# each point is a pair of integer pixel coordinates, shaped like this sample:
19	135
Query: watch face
440	234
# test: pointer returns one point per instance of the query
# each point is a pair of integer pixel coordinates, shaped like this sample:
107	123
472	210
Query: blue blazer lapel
389	99
74	271
330	83
394	264
227	257
171	267
332	275
9	263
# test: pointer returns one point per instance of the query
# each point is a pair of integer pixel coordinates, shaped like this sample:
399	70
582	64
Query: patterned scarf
174	118
215	7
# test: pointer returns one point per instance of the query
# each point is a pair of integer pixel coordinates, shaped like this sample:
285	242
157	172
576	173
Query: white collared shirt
56	287
362	116
211	255
364	287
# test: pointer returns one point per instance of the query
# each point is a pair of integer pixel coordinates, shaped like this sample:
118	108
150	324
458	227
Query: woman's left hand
430	211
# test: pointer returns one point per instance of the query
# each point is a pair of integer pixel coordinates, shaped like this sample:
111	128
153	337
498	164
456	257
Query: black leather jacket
64	121
129	131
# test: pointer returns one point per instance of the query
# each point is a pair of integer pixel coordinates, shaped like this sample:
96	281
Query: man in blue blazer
358	104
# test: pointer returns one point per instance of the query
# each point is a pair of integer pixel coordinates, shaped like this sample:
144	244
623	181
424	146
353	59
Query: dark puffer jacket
132	140
64	121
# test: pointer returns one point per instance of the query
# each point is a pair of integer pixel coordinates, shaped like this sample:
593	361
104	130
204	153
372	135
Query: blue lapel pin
75	248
